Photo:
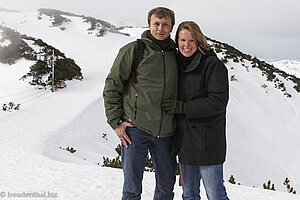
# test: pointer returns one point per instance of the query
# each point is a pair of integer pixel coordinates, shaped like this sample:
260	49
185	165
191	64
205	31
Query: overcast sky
268	29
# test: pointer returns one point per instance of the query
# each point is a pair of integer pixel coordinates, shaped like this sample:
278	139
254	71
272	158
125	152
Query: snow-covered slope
263	123
289	66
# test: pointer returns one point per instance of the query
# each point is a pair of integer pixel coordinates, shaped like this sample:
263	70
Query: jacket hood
197	59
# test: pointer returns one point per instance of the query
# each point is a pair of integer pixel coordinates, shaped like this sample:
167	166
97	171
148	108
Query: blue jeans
212	176
134	160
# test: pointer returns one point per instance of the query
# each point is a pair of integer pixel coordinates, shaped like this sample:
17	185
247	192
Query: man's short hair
161	12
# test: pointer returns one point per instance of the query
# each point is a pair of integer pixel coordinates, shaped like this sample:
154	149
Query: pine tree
232	180
116	162
268	186
288	186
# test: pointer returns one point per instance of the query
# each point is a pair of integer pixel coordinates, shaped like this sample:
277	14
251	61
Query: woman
201	109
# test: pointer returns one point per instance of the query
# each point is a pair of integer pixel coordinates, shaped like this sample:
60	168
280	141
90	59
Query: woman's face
186	43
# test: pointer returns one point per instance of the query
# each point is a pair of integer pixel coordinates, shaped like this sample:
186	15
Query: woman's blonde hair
197	34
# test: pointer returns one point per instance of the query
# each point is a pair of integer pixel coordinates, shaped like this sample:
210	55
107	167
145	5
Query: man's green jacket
140	102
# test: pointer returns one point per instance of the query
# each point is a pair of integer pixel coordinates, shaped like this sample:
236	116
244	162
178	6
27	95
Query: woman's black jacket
201	138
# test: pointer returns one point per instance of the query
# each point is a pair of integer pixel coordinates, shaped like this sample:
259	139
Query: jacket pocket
215	136
198	137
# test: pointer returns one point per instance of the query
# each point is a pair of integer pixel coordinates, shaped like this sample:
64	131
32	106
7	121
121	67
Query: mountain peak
289	66
60	17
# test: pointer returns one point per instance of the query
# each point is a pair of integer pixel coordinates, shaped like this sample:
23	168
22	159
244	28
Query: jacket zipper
163	94
135	106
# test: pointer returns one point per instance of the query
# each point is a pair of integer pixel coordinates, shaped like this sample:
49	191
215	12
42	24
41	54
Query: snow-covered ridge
289	66
60	18
277	76
7	10
43	54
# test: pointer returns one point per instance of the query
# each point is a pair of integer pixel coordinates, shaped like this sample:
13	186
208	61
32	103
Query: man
133	106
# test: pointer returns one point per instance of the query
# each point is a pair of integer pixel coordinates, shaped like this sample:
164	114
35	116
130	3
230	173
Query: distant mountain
7	10
96	25
289	66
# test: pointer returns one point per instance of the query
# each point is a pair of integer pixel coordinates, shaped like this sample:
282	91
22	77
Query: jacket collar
148	41
194	64
197	59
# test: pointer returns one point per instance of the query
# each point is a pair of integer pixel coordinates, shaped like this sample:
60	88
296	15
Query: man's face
160	28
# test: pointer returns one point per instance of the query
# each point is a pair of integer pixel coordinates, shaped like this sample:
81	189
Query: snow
4	43
289	66
263	125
